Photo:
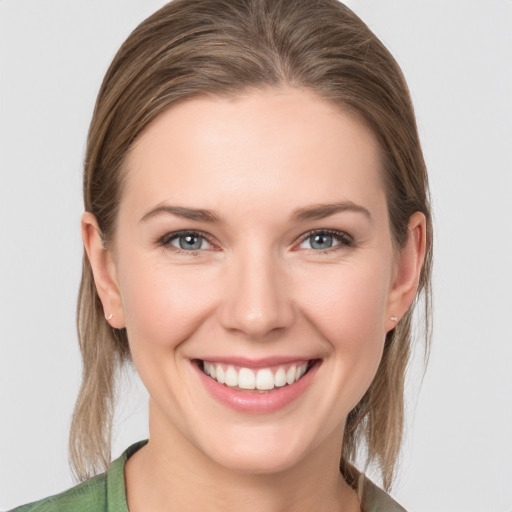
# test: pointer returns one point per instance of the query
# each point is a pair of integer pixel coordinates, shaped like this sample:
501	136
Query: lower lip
254	402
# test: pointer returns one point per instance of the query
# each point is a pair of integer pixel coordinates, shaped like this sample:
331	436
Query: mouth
259	380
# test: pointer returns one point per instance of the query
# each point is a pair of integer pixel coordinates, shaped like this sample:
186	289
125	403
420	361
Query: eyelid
165	240
344	239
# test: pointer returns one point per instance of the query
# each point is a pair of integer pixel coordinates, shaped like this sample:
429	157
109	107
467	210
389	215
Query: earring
110	316
394	319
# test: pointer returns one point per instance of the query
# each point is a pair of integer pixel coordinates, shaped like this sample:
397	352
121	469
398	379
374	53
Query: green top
107	493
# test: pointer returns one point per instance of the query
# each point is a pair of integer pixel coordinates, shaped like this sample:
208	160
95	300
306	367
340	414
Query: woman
257	229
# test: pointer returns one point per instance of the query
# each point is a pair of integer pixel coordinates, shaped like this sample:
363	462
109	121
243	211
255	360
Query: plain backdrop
457	58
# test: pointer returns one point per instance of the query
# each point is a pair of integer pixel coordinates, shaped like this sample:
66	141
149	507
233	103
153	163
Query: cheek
348	299
349	311
162	305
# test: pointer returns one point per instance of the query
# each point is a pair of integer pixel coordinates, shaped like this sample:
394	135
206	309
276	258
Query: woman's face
253	237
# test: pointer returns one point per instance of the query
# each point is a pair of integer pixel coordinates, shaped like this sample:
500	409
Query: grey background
457	57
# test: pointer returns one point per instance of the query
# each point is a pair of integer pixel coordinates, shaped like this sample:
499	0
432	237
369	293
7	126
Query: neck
170	473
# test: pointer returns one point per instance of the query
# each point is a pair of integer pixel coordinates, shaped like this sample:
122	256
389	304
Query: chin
260	455
263	462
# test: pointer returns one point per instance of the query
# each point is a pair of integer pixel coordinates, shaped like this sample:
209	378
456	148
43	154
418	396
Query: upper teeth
263	379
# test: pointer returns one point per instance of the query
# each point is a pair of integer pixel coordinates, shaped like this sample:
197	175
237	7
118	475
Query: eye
326	240
188	241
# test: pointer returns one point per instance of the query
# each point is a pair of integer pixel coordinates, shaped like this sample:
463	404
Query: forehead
266	146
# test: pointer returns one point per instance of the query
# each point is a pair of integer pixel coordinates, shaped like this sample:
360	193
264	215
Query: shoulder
102	493
375	499
89	496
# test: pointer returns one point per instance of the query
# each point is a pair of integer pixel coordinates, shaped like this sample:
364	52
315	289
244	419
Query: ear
104	271
408	270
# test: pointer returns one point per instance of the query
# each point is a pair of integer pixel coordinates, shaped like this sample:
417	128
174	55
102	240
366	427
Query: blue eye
187	241
325	240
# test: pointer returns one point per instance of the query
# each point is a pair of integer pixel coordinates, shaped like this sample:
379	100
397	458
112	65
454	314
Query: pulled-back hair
226	47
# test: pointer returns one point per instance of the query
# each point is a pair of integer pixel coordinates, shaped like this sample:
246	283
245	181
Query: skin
256	288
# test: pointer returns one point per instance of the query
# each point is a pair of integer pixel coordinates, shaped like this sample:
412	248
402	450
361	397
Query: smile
261	379
257	387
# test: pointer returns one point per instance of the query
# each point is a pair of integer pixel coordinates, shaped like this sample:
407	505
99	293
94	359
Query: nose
258	297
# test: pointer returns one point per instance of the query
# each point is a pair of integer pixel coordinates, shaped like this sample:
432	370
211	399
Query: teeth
231	377
263	379
290	375
246	379
280	378
220	374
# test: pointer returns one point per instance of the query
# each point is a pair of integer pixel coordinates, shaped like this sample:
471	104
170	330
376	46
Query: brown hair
224	47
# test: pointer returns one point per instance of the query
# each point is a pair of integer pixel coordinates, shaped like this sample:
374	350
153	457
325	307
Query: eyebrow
198	214
313	212
321	211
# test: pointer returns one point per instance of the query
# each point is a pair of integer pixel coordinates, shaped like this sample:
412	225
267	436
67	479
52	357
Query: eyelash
344	240
166	240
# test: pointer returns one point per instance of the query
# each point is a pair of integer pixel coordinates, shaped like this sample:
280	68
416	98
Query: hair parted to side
225	47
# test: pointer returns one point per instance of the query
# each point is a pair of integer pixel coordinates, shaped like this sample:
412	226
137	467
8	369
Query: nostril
257	320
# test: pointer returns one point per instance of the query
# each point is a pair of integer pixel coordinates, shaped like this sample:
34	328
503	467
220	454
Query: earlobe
104	271
409	265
